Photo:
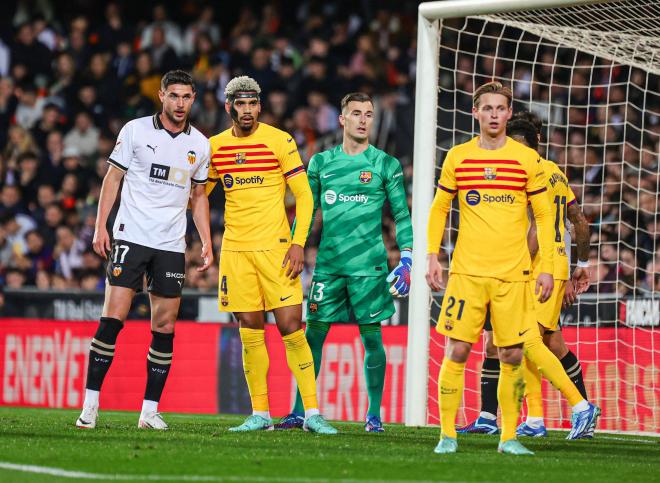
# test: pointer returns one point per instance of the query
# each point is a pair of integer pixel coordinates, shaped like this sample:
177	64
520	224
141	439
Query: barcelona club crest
116	270
490	173
241	158
224	300
365	177
192	157
313	307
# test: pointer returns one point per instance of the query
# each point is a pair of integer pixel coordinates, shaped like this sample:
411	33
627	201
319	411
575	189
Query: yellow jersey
254	171
561	196
493	187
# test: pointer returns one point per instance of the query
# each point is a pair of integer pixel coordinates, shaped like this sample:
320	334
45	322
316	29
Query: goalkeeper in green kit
350	184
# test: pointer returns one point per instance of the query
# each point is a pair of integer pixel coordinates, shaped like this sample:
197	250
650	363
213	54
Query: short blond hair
241	84
493	87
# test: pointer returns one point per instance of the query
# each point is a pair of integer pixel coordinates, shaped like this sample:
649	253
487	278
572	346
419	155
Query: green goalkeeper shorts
336	298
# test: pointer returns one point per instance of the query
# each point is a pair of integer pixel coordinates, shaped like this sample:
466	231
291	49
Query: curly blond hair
241	84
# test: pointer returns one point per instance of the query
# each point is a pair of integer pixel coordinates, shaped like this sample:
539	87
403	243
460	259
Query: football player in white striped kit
163	162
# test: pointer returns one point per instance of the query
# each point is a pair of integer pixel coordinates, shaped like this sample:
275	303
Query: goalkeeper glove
401	275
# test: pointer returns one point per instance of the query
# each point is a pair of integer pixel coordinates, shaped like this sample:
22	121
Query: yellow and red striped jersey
493	188
254	171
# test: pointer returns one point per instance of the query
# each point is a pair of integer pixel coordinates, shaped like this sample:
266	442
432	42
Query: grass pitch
44	445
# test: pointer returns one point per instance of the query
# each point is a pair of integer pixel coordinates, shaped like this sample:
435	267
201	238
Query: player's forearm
404	232
108	195
532	241
544	221
582	234
437	219
200	213
304	208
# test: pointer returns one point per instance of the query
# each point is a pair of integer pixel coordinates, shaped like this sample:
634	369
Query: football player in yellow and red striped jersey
260	261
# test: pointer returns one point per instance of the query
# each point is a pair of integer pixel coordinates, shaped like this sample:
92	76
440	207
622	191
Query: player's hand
101	242
581	279
401	275
434	272
569	295
295	257
207	256
544	285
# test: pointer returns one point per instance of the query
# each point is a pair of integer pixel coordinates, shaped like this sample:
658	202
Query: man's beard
173	120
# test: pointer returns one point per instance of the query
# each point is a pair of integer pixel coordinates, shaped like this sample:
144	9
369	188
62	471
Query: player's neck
239	133
353	147
170	125
491	142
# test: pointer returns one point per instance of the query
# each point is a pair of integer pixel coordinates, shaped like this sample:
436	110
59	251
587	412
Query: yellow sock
552	370
301	363
510	392
255	366
533	393
450	393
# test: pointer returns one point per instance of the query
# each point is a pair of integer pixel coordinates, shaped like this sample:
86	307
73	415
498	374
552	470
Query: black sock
159	361
574	370
102	351
490	376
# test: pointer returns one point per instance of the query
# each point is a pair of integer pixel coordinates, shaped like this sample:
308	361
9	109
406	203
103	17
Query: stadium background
71	74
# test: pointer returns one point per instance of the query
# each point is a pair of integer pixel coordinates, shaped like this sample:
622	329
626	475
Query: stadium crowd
70	80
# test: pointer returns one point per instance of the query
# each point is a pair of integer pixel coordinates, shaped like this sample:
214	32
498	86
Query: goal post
610	33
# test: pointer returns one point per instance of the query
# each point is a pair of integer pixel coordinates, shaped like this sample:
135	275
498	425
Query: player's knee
511	355
163	326
490	349
556	344
457	350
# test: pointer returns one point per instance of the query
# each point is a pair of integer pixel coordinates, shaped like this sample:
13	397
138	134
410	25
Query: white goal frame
424	155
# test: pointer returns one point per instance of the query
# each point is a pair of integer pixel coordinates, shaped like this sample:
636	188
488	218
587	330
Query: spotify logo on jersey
330	197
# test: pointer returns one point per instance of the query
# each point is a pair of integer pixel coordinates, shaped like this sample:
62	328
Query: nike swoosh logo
374	367
289	140
282	299
523	332
374	314
397	175
327	175
305	366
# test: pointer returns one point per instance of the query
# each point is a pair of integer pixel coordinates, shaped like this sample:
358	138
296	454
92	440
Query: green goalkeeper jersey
351	191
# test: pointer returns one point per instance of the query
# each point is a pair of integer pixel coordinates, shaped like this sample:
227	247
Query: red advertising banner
620	370
43	364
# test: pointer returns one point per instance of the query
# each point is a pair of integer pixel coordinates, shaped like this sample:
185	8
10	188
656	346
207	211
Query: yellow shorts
256	281
547	313
467	299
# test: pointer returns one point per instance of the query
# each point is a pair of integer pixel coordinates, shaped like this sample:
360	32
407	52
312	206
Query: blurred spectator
30	107
84	136
31	53
67	252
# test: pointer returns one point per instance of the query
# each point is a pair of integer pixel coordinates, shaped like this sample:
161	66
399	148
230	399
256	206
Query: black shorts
487	324
129	262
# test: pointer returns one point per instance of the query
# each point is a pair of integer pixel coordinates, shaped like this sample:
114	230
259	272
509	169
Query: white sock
149	406
487	415
263	414
581	406
533	422
91	398
311	412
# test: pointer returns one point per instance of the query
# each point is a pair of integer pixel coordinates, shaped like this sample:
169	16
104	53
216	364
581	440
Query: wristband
583	264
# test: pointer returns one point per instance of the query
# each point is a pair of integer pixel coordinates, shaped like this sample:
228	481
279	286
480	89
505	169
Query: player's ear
341	120
228	107
475	109
161	96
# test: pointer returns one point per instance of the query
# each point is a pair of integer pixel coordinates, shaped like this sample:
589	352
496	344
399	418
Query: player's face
357	119
493	113
177	101
244	112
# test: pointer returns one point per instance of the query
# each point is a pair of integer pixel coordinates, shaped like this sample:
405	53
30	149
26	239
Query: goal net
591	73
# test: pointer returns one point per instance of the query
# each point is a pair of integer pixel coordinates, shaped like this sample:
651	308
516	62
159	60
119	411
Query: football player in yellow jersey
525	128
495	177
260	261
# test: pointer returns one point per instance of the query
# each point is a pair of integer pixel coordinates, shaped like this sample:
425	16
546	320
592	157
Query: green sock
374	365
315	333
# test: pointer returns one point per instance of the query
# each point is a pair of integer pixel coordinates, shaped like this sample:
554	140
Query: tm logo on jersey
473	198
167	175
331	198
230	181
